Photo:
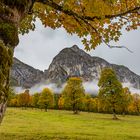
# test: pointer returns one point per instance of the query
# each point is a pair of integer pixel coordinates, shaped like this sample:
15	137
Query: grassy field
30	124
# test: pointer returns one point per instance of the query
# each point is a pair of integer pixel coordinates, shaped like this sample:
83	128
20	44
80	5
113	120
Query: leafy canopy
73	94
111	90
94	21
46	99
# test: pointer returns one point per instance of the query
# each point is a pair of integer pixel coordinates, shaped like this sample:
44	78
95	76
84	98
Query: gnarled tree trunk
11	14
6	54
114	113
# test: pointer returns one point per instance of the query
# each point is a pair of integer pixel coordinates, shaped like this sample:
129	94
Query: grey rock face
75	62
69	62
24	75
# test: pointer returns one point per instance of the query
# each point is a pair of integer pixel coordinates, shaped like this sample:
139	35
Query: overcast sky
38	48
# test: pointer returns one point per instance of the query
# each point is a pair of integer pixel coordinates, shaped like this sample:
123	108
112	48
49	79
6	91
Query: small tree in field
110	91
61	102
89	103
46	99
35	99
24	99
126	100
136	103
73	94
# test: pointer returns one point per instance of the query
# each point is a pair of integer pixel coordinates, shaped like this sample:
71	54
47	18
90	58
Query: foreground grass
30	124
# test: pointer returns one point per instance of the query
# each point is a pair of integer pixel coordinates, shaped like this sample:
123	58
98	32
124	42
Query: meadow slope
31	124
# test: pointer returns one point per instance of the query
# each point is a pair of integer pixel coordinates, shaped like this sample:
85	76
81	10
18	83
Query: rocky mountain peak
75	47
76	62
69	62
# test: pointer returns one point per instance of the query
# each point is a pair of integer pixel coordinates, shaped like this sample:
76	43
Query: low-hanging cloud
91	87
131	88
39	87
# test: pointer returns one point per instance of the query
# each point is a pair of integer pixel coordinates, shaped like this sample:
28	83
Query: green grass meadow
34	124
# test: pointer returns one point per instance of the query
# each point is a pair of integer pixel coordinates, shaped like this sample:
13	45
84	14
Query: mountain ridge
24	75
70	62
75	62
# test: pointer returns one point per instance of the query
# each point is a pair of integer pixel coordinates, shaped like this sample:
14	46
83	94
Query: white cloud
131	88
38	48
39	87
91	87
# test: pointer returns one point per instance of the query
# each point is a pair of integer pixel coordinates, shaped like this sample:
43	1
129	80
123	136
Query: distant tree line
111	98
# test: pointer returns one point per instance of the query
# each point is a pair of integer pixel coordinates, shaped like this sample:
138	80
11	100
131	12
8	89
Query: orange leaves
93	20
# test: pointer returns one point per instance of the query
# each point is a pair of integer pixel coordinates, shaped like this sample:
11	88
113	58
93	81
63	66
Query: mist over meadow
91	87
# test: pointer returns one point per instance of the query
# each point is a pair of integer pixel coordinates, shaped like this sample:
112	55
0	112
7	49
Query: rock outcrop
75	62
69	62
24	75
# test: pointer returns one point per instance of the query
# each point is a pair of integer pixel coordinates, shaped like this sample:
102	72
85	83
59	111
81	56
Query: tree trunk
114	114
123	112
138	110
75	109
11	14
2	110
76	112
6	55
46	108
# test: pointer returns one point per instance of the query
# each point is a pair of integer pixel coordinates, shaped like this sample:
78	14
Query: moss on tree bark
11	14
6	55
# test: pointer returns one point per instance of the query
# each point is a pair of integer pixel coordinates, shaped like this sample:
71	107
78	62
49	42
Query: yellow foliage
91	20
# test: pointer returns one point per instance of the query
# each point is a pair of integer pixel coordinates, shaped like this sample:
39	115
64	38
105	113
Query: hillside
69	62
33	124
24	75
75	62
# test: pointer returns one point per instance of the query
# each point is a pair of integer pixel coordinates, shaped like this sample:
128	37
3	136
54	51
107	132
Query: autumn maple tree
94	21
46	99
73	94
35	99
126	100
24	99
136	103
89	103
111	91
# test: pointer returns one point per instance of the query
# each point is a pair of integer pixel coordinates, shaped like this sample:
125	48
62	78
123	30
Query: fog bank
90	87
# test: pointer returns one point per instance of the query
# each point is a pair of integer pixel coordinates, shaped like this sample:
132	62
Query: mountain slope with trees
69	62
76	62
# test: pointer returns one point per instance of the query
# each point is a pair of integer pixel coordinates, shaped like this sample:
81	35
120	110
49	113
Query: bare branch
111	46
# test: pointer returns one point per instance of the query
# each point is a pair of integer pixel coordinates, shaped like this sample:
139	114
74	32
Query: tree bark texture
11	14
